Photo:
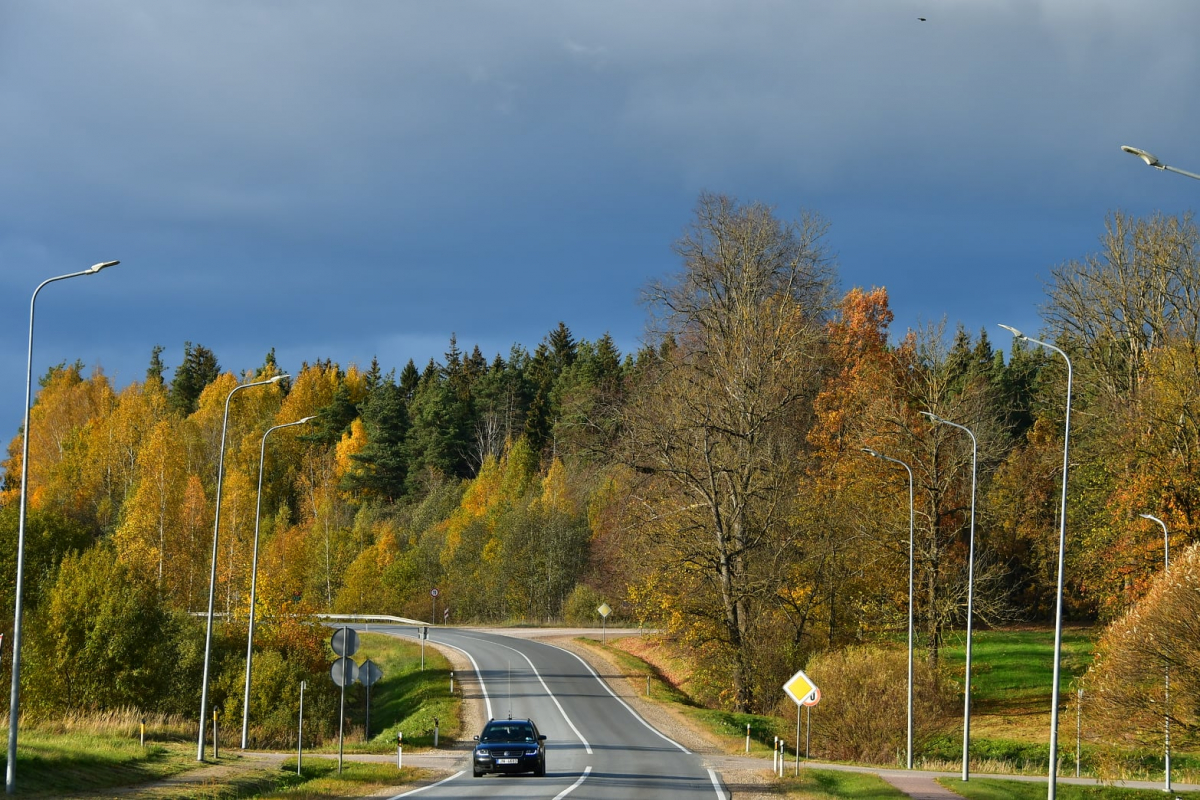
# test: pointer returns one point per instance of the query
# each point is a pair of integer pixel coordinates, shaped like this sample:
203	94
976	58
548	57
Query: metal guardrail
373	618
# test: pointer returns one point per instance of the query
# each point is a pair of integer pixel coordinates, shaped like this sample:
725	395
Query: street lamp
1152	161
262	457
911	528
970	590
1062	545
212	580
1167	673
10	776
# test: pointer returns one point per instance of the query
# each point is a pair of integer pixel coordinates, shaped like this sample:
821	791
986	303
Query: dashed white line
636	715
575	785
427	786
549	694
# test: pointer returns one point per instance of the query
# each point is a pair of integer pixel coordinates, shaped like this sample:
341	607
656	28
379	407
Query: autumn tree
841	586
717	425
103	640
1126	683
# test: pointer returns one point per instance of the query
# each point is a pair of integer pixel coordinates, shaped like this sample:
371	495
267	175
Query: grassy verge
997	789
727	726
56	764
319	778
405	700
92	755
821	784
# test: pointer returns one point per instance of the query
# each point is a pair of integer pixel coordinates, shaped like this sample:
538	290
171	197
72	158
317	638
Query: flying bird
922	19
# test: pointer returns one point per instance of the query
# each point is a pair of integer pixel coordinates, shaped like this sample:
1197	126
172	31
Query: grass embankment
74	757
406	699
1011	676
826	784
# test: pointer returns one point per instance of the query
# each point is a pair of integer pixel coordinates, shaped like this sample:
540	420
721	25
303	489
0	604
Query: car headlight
483	752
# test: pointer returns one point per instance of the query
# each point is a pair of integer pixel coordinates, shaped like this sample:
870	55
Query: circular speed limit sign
433	592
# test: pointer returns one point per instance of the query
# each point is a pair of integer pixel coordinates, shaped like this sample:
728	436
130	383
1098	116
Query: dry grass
124	722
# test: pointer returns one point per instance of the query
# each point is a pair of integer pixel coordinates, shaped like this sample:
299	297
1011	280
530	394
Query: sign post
344	671
805	693
300	731
434	594
604	610
368	673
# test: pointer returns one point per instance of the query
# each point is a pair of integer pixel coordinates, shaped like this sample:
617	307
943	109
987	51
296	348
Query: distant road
598	748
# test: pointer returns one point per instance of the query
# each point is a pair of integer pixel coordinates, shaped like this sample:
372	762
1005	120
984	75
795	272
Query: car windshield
508	732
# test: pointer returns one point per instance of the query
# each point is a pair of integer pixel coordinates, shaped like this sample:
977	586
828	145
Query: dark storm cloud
347	180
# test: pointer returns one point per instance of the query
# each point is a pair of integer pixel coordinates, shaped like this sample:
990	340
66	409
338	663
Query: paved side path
921	785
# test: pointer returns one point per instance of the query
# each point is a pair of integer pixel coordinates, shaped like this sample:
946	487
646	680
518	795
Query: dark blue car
510	745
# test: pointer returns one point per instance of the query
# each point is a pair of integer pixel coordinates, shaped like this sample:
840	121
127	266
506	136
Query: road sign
802	690
369	672
604	610
445	618
433	592
344	641
344	671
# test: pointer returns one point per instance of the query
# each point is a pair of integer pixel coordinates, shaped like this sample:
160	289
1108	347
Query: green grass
406	699
997	789
1012	670
51	765
320	779
819	784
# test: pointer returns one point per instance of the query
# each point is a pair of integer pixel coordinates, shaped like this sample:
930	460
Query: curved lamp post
1152	161
1167	672
911	528
212	580
262	457
10	777
970	590
1062	545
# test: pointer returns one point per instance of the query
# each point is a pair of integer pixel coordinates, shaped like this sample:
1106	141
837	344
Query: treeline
713	483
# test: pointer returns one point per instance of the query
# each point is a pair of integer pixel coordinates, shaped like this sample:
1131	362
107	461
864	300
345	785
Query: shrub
581	605
862	715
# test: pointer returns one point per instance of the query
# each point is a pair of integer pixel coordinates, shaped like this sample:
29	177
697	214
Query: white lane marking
575	785
479	675
428	786
636	715
716	785
549	693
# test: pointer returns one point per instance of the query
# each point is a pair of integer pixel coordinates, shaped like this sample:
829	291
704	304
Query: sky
354	180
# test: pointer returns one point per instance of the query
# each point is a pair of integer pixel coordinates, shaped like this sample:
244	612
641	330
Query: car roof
509	727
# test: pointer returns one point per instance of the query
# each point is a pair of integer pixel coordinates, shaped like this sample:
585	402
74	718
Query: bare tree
1116	306
718	421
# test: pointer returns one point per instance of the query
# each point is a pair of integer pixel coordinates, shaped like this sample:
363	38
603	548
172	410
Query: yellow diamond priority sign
802	690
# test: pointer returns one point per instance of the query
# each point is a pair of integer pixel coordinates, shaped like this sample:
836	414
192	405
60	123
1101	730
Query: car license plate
506	760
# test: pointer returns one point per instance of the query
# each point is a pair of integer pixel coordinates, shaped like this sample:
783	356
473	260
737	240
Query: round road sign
344	671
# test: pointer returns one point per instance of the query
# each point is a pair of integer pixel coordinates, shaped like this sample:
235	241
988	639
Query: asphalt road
598	748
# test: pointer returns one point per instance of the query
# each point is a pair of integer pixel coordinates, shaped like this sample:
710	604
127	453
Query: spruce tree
199	368
381	467
154	372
